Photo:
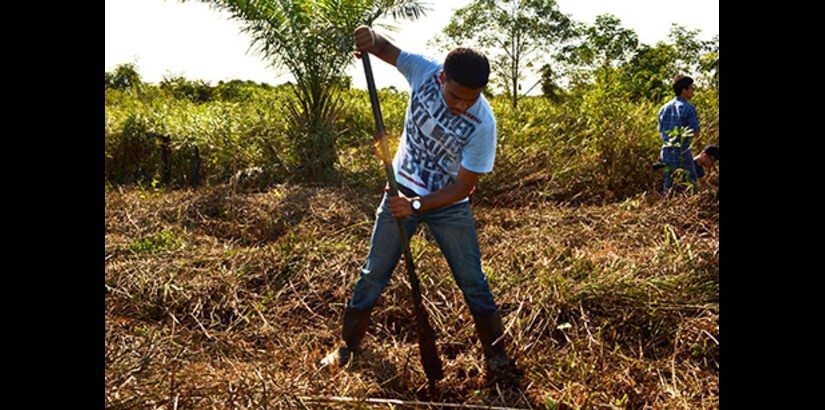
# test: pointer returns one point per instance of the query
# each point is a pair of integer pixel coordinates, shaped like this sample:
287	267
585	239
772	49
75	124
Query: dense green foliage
593	143
312	40
535	38
240	131
608	52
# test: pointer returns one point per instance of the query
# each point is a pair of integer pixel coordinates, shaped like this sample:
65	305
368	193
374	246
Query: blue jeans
454	230
675	158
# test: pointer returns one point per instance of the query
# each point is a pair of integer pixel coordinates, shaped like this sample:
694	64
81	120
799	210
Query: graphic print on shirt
435	137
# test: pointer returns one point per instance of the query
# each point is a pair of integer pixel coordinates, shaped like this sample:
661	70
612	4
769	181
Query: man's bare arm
366	39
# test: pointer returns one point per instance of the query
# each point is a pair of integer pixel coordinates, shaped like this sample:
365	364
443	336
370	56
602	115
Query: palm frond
398	9
312	39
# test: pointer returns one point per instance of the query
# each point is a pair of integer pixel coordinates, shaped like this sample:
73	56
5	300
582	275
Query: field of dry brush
228	300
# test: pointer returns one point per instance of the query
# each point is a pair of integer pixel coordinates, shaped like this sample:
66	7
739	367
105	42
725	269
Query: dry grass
215	300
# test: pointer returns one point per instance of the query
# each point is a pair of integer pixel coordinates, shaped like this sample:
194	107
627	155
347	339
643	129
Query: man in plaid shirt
678	126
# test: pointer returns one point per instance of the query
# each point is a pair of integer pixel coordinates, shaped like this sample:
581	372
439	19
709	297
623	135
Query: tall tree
709	63
603	46
649	72
515	34
124	77
312	39
549	88
689	48
653	68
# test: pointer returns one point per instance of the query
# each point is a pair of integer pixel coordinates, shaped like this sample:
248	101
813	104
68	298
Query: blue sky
164	37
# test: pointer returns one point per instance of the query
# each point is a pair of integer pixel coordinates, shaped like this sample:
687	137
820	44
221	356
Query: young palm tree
312	39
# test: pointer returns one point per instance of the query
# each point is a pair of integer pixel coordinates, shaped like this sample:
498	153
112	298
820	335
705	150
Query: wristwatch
416	204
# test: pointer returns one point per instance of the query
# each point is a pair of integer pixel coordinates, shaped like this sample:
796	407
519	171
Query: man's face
458	97
687	93
706	160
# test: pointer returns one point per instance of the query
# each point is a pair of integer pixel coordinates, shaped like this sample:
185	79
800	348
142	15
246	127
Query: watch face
416	204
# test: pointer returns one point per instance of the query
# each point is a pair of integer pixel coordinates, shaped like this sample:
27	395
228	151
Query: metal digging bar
426	335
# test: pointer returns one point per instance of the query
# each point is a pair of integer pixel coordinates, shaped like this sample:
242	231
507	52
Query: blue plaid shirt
677	113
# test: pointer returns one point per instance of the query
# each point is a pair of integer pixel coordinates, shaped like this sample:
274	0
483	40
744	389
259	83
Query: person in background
678	126
706	159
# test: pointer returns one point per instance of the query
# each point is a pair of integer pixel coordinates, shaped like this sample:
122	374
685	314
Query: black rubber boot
490	331
353	330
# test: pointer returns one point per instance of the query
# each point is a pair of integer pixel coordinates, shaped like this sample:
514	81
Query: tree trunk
196	172
165	154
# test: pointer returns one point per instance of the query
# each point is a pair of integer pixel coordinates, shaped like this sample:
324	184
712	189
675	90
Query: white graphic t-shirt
435	142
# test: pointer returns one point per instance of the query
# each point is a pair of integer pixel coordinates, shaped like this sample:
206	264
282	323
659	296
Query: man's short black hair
712	151
468	67
680	83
